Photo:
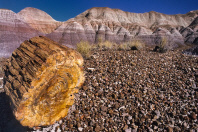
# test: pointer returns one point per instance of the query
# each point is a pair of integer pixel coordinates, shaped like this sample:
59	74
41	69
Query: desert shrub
136	45
99	43
124	46
100	46
163	45
132	45
94	46
107	45
115	46
99	40
84	48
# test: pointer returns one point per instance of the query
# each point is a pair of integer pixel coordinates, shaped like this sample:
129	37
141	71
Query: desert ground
133	90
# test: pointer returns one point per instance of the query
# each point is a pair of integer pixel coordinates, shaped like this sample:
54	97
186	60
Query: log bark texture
41	79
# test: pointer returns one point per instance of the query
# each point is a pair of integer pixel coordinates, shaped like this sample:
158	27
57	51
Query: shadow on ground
8	123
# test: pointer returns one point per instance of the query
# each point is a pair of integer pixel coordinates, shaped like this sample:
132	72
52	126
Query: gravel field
134	91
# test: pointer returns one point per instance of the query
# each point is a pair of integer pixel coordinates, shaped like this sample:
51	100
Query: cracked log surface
40	78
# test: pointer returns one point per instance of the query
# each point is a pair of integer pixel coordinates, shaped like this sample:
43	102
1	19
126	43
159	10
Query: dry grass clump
107	45
162	48
84	48
132	45
99	46
136	45
99	43
163	44
124	46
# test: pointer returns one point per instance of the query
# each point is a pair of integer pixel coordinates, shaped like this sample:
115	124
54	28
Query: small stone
70	125
85	88
170	129
110	112
128	122
161	96
58	129
100	91
125	127
80	129
123	107
82	117
193	116
157	112
125	114
173	93
196	94
128	130
110	71
155	117
104	108
133	64
185	124
97	129
152	106
60	122
130	118
134	130
78	125
117	106
76	111
155	127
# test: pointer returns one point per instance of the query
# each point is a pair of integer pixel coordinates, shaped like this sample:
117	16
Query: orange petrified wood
41	79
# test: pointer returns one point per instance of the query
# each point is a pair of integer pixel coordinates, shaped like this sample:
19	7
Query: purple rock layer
13	31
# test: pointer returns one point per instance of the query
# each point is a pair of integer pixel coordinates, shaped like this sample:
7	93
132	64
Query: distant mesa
99	22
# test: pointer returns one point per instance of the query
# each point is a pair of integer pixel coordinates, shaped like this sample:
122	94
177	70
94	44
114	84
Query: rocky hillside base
135	91
86	49
192	51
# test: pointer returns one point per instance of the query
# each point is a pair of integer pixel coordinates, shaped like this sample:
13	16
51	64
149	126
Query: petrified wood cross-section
40	79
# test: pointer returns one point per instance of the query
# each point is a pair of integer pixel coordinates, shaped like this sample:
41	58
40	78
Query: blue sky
63	10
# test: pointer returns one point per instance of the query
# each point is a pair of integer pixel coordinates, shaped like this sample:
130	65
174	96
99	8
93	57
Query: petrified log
40	79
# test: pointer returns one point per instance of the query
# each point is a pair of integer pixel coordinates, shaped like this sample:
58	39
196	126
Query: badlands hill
39	20
118	26
13	31
97	23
